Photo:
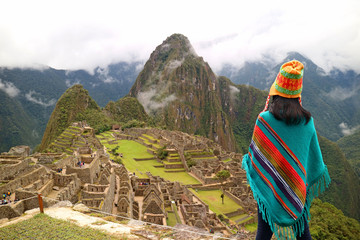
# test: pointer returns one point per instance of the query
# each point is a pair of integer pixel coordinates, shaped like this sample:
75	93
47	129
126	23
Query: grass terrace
131	149
213	199
42	226
227	160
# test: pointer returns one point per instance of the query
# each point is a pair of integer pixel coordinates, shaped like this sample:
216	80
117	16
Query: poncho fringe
296	229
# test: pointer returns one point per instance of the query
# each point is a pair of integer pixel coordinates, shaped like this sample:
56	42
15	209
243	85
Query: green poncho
285	170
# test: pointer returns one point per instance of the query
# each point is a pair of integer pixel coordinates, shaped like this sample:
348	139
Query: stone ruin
18	151
87	175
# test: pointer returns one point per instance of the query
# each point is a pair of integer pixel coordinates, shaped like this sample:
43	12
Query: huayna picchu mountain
126	109
77	105
74	105
179	89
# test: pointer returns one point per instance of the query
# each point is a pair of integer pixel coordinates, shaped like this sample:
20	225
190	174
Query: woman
284	166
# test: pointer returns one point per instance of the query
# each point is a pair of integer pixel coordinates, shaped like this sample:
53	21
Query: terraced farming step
173	159
144	159
159	166
243	219
175	170
61	144
173	165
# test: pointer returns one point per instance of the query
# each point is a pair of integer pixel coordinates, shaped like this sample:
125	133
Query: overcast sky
85	34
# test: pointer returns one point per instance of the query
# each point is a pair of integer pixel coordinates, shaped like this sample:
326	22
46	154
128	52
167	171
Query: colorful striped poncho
285	170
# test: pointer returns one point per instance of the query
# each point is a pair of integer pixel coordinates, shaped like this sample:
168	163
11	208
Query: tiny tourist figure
222	198
284	166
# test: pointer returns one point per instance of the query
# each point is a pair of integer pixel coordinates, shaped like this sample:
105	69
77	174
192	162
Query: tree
113	151
223	175
162	153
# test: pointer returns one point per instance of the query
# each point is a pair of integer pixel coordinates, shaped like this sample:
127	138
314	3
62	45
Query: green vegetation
126	110
350	146
131	149
162	153
329	223
227	160
223	175
44	227
74	105
213	199
251	227
242	110
133	123
16	124
173	215
344	190
190	162
171	219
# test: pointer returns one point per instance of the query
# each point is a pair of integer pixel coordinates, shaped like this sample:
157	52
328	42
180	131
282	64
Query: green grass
171	220
251	227
131	149
213	199
173	205
173	217
227	160
235	218
171	163
42	226
149	137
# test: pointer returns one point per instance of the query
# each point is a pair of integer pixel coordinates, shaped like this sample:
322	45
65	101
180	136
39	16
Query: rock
3	220
56	188
22	151
63	204
145	234
81	208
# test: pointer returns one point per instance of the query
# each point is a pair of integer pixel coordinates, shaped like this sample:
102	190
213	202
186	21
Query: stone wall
172	166
84	150
109	194
87	174
61	163
235	213
47	187
24	180
10	168
71	184
20	151
24	196
11	210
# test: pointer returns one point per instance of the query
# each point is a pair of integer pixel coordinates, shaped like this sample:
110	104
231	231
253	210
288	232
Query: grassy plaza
131	149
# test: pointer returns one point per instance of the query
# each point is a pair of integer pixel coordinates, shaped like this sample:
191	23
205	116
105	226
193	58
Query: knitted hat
288	82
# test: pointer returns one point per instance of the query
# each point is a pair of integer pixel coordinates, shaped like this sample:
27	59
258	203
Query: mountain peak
177	42
69	108
161	70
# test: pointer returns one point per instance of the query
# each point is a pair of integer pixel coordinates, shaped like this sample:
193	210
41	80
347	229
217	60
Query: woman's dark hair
289	110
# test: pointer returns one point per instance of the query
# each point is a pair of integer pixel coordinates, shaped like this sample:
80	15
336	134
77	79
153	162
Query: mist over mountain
28	96
179	89
332	98
176	90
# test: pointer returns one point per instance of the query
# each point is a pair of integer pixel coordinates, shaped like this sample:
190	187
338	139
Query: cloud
9	88
147	99
233	91
104	76
37	33
346	130
342	93
30	96
70	83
